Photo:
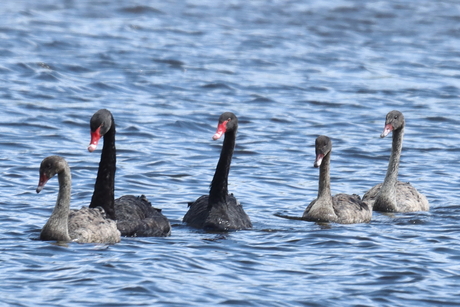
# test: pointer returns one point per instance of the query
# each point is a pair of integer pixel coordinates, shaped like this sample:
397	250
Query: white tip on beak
92	147
388	128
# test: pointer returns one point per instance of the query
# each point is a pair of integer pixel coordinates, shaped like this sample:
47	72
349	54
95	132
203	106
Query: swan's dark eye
229	119
396	116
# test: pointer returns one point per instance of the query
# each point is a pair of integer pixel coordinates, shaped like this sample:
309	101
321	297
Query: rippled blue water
290	70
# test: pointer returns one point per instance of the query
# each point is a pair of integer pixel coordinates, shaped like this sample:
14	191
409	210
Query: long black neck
219	185
104	188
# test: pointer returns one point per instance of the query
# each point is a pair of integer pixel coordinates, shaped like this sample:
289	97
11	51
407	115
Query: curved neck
387	195
104	188
57	226
219	185
324	188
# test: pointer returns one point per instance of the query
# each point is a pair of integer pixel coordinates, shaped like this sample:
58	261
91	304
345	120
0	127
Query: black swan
83	226
135	216
220	211
393	195
342	208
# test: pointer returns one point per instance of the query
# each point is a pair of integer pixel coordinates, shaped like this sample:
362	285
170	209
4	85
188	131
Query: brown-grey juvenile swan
393	195
135	216
83	226
220	211
341	208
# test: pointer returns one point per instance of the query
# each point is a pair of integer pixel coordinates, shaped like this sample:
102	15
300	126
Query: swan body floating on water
393	195
135	215
220	211
83	226
341	208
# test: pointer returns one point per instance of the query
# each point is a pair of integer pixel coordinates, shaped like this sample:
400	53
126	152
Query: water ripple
290	71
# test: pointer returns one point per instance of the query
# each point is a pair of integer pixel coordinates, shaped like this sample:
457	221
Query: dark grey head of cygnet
393	121
323	146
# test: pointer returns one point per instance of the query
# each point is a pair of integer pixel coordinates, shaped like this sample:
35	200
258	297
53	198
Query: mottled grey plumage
406	197
393	195
341	208
85	225
219	210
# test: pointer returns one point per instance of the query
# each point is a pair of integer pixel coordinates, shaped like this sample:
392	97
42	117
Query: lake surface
290	71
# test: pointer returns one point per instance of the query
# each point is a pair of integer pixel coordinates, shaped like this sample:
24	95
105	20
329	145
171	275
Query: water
290	70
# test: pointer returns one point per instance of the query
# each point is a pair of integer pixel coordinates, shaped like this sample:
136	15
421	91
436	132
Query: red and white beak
221	129
95	137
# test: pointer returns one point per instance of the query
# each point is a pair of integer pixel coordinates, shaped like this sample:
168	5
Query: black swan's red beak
95	137
221	129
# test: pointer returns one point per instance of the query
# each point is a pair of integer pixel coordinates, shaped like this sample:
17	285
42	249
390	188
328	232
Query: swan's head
394	121
100	124
49	167
323	146
228	122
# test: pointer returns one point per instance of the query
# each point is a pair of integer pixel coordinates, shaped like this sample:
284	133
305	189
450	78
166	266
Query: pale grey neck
57	226
323	210
393	166
324	189
386	199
